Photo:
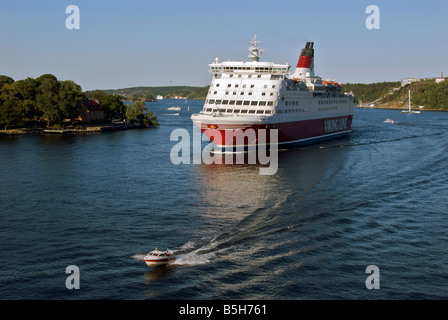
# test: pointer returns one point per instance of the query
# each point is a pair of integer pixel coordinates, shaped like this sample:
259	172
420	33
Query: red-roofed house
90	110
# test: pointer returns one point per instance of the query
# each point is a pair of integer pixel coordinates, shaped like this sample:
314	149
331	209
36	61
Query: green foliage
366	93
10	105
148	93
431	96
137	112
44	98
425	93
113	105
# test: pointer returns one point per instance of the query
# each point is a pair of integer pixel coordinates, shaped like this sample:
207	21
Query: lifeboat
157	257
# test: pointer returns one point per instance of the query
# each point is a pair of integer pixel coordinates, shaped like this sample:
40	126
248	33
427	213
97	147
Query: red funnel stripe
304	62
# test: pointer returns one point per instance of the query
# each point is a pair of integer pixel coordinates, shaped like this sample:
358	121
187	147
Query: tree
137	112
113	107
10	105
47	98
27	90
5	80
69	97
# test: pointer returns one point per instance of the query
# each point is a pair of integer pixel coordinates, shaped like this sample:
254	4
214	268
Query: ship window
236	111
273	86
231	102
251	111
242	93
254	103
251	85
272	93
244	86
250	93
217	101
267	112
215	92
234	93
217	85
262	103
270	103
211	101
263	93
246	103
225	101
228	86
227	92
236	85
239	102
243	111
259	111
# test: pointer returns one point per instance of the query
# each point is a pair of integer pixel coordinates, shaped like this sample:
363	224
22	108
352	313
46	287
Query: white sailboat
410	110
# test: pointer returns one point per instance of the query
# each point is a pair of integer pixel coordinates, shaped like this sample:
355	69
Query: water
102	201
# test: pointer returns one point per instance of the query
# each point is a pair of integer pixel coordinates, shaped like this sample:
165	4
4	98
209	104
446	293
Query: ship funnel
306	61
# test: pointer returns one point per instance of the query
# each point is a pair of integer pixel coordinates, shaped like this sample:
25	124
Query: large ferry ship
245	95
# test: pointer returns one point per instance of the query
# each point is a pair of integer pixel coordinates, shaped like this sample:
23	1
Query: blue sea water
102	201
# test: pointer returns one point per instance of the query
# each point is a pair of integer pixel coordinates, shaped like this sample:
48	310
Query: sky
121	44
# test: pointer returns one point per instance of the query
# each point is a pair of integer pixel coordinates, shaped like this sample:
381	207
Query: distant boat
174	108
389	120
188	109
410	110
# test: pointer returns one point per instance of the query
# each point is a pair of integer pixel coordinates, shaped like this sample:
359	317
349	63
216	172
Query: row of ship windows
229	85
241	102
236	111
292	110
261	69
332	101
245	111
242	93
249	76
327	108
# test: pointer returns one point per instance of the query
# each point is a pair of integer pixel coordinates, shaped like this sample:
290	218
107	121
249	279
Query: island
49	105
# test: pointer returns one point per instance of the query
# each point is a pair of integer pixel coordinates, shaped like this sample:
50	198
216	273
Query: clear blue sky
157	43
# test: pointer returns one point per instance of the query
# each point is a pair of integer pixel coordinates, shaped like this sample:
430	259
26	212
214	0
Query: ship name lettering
335	125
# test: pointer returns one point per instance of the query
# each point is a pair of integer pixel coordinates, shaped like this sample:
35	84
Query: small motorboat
157	257
389	120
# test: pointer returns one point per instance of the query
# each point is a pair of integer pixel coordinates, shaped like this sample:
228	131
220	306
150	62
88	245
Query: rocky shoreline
70	130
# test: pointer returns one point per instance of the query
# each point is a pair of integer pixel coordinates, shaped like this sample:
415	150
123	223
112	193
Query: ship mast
254	50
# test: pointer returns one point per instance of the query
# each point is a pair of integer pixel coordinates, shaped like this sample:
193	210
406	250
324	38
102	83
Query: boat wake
186	256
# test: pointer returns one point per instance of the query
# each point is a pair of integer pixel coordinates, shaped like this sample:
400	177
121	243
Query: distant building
90	110
406	81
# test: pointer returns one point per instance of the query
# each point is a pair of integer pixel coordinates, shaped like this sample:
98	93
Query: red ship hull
294	132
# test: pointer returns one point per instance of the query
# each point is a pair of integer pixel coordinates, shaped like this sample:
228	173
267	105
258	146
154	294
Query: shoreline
86	130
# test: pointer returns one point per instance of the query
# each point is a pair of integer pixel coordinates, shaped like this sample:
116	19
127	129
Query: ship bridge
243	67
